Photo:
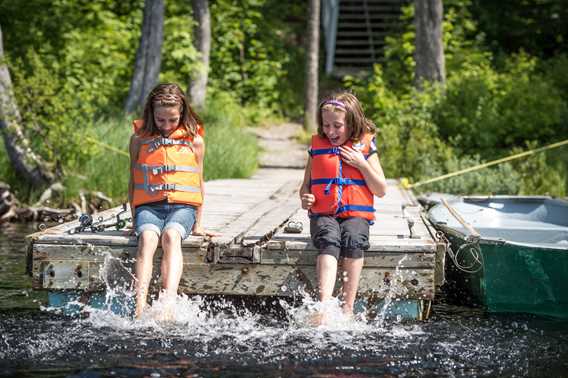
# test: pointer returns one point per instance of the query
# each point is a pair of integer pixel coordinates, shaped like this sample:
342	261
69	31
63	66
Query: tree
312	67
148	55
202	42
429	52
25	162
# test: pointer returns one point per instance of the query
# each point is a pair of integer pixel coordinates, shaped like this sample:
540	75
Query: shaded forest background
506	89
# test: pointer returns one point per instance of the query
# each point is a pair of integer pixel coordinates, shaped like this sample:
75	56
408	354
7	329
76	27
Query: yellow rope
111	148
407	185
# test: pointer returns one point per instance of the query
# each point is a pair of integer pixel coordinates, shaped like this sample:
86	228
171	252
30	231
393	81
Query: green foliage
539	175
248	53
484	109
427	134
502	179
230	150
179	56
536	26
49	119
71	78
107	136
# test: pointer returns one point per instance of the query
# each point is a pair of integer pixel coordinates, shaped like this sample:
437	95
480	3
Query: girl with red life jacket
342	175
166	186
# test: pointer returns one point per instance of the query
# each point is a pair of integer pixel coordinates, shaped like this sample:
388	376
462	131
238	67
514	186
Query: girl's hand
199	231
129	231
352	157
308	200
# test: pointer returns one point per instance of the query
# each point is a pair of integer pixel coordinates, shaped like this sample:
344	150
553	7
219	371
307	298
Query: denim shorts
340	237
158	216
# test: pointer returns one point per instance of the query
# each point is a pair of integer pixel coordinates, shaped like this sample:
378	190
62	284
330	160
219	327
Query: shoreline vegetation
71	69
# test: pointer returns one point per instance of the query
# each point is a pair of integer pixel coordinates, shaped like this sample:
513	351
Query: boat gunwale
497	241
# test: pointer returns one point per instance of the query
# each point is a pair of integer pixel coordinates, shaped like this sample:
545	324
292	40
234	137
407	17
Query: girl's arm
370	169
199	150
133	150
307	198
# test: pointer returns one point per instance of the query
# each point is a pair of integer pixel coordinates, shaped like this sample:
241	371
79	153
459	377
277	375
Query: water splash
225	335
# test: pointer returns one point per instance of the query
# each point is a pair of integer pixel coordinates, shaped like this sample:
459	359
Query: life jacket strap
168	187
159	169
324	151
361	208
337	181
158	142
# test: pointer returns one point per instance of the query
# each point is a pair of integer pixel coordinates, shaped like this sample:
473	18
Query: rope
407	185
108	147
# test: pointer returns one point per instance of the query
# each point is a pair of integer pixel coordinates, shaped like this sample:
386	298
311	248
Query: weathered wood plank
378	244
285	280
379	260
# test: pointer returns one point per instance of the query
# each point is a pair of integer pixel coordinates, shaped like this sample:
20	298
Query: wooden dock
254	255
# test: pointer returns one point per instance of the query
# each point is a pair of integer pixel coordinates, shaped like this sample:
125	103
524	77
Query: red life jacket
166	169
339	188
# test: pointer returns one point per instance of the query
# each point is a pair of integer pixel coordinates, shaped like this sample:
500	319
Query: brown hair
355	120
169	95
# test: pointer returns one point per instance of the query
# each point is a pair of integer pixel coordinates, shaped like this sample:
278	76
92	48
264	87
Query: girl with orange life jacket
342	175
165	187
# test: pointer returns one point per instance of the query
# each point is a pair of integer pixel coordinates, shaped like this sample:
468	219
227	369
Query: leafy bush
502	179
485	110
246	60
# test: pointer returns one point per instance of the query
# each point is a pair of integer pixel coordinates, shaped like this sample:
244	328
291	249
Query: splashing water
274	337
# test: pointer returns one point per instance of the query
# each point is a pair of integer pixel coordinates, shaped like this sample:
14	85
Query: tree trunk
148	55
202	42
429	53
312	67
25	162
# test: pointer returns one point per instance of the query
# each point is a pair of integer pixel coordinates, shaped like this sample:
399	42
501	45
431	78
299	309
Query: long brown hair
355	120
166	95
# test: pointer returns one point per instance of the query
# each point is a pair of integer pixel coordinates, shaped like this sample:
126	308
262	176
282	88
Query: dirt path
279	146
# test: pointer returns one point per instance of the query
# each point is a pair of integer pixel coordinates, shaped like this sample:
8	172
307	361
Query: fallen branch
11	209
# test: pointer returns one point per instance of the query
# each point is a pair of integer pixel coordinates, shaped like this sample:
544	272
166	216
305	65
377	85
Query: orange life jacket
166	169
339	188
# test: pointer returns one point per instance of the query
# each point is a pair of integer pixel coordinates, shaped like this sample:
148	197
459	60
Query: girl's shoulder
198	140
137	125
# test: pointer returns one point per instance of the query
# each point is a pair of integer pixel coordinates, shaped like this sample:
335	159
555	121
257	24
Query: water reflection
226	338
15	285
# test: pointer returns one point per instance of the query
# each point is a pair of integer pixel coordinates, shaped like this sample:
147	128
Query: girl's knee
171	236
148	237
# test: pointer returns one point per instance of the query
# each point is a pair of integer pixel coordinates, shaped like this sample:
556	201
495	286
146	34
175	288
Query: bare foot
166	315
317	319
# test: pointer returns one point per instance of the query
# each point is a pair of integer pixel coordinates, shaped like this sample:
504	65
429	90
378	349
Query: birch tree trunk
202	42
429	53
148	55
312	67
26	163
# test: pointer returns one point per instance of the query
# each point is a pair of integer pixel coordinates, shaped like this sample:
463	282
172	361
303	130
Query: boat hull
518	262
516	278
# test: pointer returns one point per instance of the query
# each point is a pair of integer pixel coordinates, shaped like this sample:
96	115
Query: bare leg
326	268
172	262
147	244
352	268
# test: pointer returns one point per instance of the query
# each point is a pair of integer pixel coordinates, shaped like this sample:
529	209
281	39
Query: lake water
224	339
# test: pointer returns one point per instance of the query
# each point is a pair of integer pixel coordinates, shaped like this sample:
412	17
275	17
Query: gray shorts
161	215
340	237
